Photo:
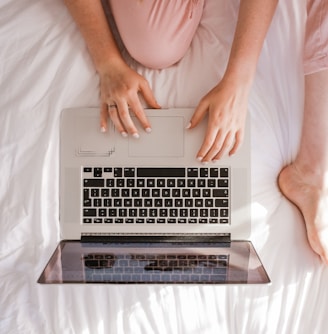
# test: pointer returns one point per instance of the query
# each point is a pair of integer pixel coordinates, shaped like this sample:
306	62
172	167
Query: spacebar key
161	172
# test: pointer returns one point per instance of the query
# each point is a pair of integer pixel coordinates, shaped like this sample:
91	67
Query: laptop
145	211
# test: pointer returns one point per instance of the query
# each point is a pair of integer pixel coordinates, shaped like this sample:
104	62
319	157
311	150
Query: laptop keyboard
156	268
142	195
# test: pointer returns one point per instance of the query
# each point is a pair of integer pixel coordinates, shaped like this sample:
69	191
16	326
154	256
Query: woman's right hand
119	92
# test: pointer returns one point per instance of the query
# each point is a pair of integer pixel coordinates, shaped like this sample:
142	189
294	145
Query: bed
44	68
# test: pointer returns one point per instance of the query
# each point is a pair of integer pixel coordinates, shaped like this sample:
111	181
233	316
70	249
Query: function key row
213	172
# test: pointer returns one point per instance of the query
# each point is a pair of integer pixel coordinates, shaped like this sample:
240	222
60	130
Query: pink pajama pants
157	33
316	37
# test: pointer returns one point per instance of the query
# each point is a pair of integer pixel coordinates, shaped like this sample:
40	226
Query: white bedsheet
45	67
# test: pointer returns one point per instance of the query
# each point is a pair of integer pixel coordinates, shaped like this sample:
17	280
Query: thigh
316	37
157	33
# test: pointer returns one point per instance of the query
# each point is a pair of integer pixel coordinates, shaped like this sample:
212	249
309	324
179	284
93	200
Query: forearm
253	23
91	20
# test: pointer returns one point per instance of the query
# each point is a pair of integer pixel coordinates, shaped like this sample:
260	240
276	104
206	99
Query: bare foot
312	200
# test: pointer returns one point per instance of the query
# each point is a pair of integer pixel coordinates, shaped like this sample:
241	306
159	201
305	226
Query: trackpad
165	140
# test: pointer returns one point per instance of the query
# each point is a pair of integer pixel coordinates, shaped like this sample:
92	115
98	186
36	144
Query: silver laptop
146	211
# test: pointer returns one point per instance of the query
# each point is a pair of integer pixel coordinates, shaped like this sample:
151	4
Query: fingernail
199	158
148	130
135	135
102	129
124	134
188	126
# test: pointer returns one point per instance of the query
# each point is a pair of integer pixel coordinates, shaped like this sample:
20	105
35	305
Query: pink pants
316	37
157	33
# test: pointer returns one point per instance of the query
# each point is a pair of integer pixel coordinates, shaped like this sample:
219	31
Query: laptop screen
155	263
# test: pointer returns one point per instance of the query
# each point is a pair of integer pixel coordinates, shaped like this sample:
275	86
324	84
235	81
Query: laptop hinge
155	238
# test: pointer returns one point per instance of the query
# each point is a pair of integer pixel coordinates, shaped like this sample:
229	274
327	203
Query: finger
139	112
221	151
198	114
113	114
103	117
239	137
148	95
125	118
212	135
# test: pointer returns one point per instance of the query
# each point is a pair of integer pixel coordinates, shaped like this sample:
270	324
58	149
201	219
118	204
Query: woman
150	22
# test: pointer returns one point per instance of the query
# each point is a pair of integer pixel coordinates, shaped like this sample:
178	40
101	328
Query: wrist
108	63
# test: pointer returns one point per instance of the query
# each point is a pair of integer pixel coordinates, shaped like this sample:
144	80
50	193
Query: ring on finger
113	105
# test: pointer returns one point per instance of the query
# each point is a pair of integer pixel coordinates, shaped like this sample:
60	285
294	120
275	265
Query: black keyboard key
94	183
117	202
209	202
171	183
153	212
89	213
97	172
221	202
199	203
181	183
224	213
133	212
220	193
166	192
223	183
186	192
214	213
86	194
161	172
196	192
110	183
191	183
107	202
214	172
129	172
120	183
155	193
204	172
127	202
224	172
97	202
112	212
118	172
151	183
211	183
173	212
130	183
115	192
192	172
94	192
87	203
105	192
158	202
137	202
123	212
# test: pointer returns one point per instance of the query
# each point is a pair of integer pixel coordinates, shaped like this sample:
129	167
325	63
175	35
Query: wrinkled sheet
45	67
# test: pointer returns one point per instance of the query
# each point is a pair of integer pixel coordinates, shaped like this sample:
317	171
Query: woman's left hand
226	105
